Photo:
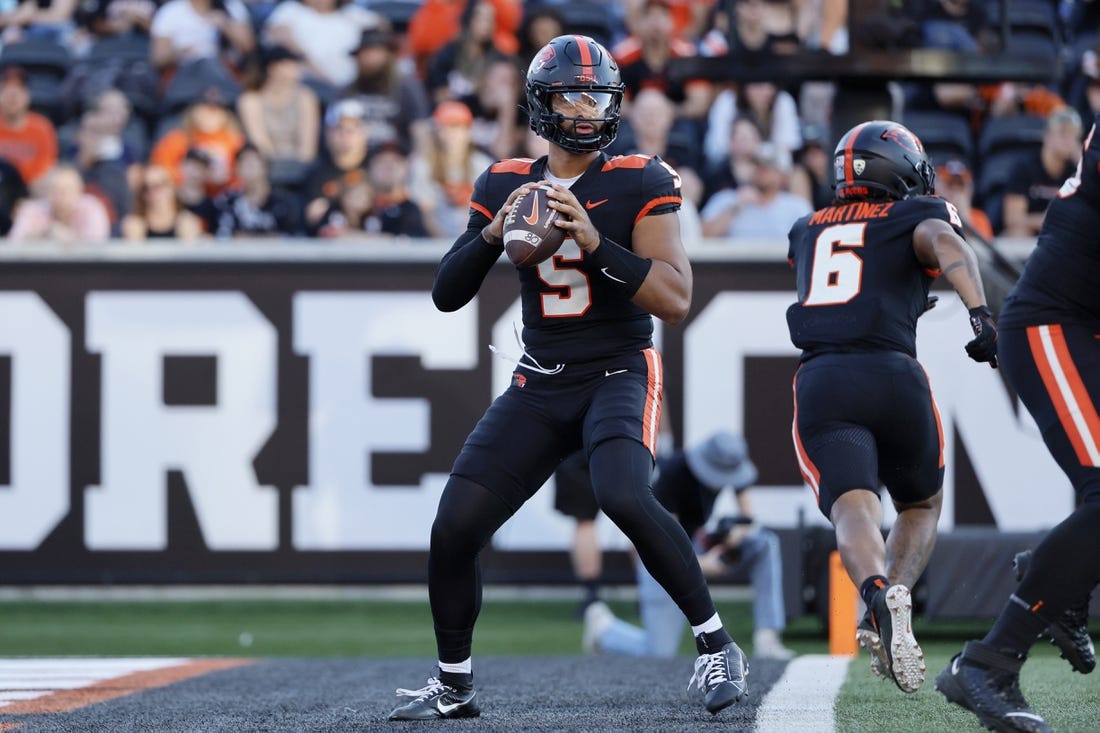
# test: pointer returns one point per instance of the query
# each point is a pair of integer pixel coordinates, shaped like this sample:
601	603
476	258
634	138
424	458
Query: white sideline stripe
804	698
27	679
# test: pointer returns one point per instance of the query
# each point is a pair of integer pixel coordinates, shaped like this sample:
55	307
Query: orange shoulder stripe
513	165
635	160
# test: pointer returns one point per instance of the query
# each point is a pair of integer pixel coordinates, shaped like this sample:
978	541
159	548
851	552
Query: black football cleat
721	678
869	639
1070	632
892	617
437	700
986	682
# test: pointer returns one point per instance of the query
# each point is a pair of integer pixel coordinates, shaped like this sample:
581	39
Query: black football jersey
860	285
571	311
1060	283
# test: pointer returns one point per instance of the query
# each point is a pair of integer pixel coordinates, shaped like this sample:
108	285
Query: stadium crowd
192	119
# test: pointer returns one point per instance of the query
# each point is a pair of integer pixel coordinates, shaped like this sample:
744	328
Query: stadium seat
1014	132
992	180
586	17
397	12
944	134
38	57
122	47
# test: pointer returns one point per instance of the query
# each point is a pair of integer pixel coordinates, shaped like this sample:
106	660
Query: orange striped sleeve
480	209
654	203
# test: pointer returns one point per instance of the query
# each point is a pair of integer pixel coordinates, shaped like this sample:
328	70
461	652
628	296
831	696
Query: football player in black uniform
1050	324
864	415
588	376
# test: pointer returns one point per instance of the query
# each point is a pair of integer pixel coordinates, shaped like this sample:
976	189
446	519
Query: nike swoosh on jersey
609	275
590	204
609	372
533	217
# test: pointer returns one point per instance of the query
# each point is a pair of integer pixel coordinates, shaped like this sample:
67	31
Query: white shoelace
433	687
534	366
710	671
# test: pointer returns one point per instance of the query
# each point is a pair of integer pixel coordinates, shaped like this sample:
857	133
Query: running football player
864	415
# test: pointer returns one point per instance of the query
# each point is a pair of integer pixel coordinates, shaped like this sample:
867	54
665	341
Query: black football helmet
881	159
579	66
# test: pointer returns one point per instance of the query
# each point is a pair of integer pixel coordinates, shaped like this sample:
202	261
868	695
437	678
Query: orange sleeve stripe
480	209
634	160
1067	392
933	271
806	467
656	202
513	165
651	413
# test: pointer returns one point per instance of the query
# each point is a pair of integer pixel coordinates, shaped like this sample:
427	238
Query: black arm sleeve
462	270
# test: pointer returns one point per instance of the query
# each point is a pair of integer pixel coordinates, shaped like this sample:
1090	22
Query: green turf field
364	628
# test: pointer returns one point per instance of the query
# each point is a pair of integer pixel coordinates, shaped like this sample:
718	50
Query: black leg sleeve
621	472
467	517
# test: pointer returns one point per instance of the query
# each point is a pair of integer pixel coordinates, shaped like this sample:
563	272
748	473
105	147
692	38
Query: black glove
984	345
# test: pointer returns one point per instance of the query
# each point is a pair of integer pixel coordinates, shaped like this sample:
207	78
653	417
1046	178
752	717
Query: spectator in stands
687	484
644	62
956	25
39	19
541	24
737	166
191	189
209	125
824	26
812	175
99	159
454	70
281	115
499	122
13	191
765	209
438	22
64	214
102	18
650	128
955	182
1083	87
772	109
755	35
688	17
158	213
27	139
324	33
393	211
188	31
394	101
443	180
343	163
252	209
115	114
1035	180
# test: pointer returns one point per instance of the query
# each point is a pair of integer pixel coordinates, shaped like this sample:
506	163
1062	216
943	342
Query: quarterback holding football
588	378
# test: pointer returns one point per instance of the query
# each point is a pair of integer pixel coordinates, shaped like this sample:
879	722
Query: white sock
464	667
711	624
